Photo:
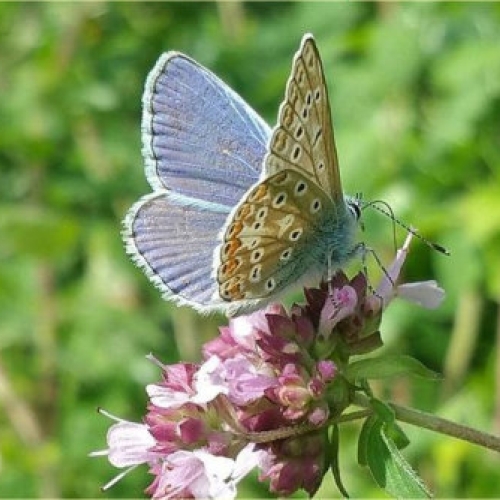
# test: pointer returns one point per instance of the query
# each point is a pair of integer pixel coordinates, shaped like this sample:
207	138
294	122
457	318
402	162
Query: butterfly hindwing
173	244
303	138
262	249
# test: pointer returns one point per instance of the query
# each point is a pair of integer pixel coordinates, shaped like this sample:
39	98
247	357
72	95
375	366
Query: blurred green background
415	91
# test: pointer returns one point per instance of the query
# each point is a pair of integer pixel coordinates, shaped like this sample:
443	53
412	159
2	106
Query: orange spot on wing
231	247
232	290
280	178
235	291
259	193
288	117
229	267
243	212
280	140
234	230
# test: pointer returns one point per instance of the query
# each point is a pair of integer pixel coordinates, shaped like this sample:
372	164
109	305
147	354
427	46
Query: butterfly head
355	205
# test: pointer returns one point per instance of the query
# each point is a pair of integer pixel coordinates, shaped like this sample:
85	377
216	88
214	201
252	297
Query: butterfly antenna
387	211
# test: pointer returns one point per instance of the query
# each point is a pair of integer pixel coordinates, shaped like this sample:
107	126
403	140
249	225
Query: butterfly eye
299	133
355	209
309	98
317	95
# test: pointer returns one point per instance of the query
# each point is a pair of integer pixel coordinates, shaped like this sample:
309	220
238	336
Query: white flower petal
386	285
202	474
209	381
248	458
164	397
424	293
129	444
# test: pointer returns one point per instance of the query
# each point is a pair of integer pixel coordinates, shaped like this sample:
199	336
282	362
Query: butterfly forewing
200	139
261	245
303	139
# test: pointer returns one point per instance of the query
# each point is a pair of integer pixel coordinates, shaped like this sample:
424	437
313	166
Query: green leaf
334	460
388	366
364	437
388	466
383	411
386	414
397	434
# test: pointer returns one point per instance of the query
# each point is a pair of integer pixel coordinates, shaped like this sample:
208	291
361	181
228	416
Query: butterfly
240	214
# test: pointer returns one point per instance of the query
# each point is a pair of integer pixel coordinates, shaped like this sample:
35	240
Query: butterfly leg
364	251
330	274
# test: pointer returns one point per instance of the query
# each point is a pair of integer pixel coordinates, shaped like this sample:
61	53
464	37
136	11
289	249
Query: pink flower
424	293
129	445
199	474
295	463
176	389
262	398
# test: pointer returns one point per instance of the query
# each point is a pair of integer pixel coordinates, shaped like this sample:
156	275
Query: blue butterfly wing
203	147
173	244
200	139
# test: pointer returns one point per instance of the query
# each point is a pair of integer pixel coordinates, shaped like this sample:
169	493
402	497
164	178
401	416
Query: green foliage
415	91
385	366
333	454
378	451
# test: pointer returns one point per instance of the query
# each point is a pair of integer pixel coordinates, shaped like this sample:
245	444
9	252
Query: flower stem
298	430
404	414
443	426
437	424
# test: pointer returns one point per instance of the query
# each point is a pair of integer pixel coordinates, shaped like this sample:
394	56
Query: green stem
299	430
403	414
438	424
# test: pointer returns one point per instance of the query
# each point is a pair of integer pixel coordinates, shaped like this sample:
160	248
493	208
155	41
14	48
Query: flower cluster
263	398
